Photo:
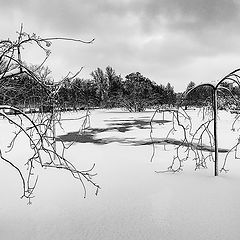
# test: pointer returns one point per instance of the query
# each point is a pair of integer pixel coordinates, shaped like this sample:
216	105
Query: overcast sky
174	41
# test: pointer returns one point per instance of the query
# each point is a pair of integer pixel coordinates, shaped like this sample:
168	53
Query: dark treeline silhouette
228	96
22	92
104	89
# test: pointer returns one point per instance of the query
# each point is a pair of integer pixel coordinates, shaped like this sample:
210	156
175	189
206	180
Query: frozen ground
134	202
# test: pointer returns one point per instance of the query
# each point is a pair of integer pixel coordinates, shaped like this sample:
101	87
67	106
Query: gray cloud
190	15
160	38
155	15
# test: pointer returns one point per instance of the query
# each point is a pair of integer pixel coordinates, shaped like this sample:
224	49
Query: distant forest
104	89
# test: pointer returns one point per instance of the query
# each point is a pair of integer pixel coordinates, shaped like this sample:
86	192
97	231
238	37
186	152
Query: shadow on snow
118	125
126	125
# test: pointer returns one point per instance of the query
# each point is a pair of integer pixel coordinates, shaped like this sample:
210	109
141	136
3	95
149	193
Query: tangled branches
199	141
39	126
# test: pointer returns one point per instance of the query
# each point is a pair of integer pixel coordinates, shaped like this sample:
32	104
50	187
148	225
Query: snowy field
134	201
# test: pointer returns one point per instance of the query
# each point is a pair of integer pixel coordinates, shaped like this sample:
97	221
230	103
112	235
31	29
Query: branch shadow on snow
88	137
114	125
172	141
126	125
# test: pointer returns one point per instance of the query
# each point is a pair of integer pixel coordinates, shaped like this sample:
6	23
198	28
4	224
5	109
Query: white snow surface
134	202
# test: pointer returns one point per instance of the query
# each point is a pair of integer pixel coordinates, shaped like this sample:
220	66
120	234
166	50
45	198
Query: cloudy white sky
174	41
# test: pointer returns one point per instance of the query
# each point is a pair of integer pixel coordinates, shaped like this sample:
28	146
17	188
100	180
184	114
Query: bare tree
199	143
38	128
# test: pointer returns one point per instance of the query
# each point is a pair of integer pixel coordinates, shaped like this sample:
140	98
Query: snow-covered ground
134	201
